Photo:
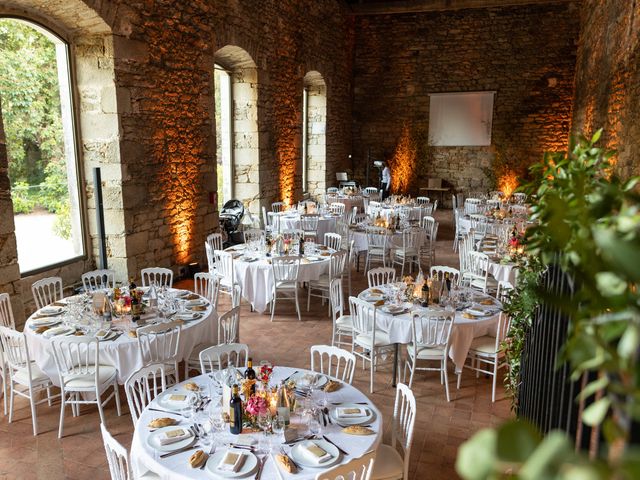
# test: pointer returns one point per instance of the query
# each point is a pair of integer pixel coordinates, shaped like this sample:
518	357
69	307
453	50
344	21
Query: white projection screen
460	119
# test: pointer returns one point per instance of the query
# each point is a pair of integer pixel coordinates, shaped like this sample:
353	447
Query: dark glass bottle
135	306
425	293
250	374
132	286
235	412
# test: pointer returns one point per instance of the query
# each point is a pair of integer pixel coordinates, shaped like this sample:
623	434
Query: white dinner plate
392	308
321	380
188	316
50	311
56	331
248	467
368	418
372	297
299	457
44	322
199	302
181	293
153	440
164	402
313	258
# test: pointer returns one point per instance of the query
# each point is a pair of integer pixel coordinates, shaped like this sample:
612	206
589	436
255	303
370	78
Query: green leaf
596	136
516	441
555	447
476	456
610	284
629	342
593	387
595	413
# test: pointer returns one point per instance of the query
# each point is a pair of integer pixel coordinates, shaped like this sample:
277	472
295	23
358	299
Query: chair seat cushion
107	374
21	375
409	252
344	321
388	464
485	344
426	353
382	339
286	285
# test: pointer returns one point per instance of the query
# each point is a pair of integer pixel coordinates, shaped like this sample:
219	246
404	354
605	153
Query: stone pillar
9	269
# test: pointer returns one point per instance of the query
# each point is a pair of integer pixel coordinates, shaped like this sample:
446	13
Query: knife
166	411
287	379
180	450
339	449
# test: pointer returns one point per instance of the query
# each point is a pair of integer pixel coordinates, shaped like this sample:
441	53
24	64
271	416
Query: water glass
277	425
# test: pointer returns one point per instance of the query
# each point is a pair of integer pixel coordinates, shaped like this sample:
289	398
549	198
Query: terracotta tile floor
440	426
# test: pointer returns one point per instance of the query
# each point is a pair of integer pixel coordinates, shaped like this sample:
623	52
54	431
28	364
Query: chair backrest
159	343
285	268
207	285
142	387
336	296
363	317
404	419
427	224
381	276
98	279
229	327
441	271
253	234
519	197
331	190
411	239
333	240
422	200
117	456
6	312
215	241
211	259
478	264
377	237
309	222
273	219
337	208
161	277
472	205
292	234
277	207
337	262
236	295
333	361
370	190
14	348
46	291
218	356
431	329
224	266
76	356
356	469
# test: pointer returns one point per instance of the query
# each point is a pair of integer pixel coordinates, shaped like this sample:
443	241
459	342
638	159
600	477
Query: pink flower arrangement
265	373
256	405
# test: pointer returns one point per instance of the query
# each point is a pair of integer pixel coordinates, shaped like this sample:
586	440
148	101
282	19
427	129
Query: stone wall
524	53
608	78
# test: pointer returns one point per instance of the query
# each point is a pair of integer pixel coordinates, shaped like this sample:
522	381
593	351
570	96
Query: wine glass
314	426
217	422
277	425
264	422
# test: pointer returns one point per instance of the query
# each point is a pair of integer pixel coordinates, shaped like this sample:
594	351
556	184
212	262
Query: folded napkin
52	332
173	436
232	461
194	303
314	453
476	312
40	321
51	310
177	399
307	380
351	412
188	316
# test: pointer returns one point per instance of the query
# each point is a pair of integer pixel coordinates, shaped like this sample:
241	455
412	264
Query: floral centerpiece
122	304
256	405
264	375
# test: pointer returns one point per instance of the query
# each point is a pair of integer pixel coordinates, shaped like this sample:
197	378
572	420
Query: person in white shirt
386	180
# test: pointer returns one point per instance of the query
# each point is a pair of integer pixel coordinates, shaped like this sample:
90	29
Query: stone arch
314	144
245	153
96	123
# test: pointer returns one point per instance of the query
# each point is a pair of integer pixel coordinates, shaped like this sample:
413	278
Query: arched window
314	141
37	113
236	83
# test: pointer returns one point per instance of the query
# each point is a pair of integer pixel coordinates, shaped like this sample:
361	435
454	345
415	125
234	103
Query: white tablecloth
386	212
256	278
349	202
176	467
124	353
506	272
464	331
360	243
326	224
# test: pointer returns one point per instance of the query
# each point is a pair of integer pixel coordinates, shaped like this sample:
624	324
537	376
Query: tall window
305	138
224	132
37	108
314	140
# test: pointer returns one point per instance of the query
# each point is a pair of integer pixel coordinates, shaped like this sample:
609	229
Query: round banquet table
144	457
387	212
399	327
360	243
256	277
349	202
123	352
326	223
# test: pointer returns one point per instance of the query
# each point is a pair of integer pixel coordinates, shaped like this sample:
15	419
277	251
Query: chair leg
495	376
308	298
273	305
11	403
63	396
297	305
459	379
34	416
446	380
372	369
412	368
4	388
117	394
99	403
49	397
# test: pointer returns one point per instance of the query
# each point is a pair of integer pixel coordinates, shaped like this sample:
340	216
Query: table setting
110	316
296	424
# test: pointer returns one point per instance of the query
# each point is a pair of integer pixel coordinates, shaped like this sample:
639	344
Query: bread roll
162	422
198	458
357	430
286	463
331	386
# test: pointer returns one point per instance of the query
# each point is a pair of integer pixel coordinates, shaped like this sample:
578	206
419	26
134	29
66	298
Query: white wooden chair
98	279
277	207
211	259
441	271
253	234
46	291
236	295
142	387
6	320
377	246
430	337
337	208
428	247
342	325
381	276
369	343
229	327
160	343
118	458
372	193
519	197
285	280
478	272
472	205
161	277
423	200
357	469
332	190
80	372
24	376
224	271
309	225
389	463
207	285
333	361
216	357
486	353
409	252
337	262
215	241
273	219
333	240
